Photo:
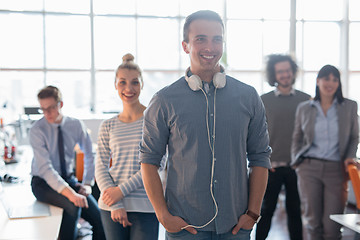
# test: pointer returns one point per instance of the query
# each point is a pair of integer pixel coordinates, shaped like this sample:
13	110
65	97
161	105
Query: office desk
351	221
39	228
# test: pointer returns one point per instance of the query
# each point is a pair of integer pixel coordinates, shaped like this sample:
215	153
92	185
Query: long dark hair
325	71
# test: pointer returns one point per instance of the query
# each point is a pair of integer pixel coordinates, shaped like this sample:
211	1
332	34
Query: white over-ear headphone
195	82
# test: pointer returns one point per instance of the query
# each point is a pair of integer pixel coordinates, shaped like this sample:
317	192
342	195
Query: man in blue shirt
53	139
214	128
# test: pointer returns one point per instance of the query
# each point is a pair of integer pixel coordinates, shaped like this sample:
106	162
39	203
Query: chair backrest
355	180
79	164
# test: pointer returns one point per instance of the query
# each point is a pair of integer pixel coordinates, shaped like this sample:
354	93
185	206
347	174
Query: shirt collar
278	93
317	102
55	125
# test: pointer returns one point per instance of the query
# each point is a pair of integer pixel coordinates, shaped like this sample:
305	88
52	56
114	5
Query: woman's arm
102	166
297	137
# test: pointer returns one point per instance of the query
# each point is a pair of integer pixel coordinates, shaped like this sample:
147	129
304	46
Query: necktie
61	153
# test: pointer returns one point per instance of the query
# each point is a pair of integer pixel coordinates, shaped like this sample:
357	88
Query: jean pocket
245	230
176	235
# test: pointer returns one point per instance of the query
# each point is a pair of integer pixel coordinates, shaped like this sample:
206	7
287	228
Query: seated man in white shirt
53	139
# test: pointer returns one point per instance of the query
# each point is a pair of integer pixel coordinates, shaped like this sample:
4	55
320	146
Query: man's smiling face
205	46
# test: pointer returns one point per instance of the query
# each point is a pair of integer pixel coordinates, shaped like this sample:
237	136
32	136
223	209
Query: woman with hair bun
125	209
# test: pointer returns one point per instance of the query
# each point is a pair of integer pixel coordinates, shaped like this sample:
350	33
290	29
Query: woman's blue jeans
145	226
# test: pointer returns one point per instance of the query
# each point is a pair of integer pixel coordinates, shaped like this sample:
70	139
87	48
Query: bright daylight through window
76	45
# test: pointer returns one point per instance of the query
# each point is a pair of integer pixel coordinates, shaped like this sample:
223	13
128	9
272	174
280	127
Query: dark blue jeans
71	214
145	226
243	234
282	176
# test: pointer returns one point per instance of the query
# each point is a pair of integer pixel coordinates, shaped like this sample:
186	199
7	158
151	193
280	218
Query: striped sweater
119	141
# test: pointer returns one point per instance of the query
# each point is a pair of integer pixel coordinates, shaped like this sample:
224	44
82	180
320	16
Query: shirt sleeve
258	149
42	160
354	132
133	183
102	165
297	141
89	163
155	133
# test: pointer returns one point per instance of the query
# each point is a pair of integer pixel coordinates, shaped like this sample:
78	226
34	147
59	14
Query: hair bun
128	58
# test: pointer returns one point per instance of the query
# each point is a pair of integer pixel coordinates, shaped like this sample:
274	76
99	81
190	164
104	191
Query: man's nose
209	46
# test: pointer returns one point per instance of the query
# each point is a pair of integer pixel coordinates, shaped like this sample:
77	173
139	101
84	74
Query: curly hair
270	67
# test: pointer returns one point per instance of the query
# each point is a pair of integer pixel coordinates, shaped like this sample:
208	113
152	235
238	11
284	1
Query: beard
285	85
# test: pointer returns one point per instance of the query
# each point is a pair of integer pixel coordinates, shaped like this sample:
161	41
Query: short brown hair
50	92
203	15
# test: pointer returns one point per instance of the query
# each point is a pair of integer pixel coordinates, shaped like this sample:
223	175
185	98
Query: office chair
79	171
354	174
79	164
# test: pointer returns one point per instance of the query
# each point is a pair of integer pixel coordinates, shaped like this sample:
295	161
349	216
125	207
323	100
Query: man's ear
185	46
61	104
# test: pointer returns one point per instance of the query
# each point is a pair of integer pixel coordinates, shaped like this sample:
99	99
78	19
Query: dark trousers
71	214
145	226
282	176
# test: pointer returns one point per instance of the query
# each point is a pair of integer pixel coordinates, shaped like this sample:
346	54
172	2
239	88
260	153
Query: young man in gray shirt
214	128
280	105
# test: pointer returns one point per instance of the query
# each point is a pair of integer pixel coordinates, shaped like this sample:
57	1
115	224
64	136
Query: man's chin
284	85
50	120
210	67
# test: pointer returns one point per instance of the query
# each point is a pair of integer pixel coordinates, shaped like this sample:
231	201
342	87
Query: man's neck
284	90
207	76
59	119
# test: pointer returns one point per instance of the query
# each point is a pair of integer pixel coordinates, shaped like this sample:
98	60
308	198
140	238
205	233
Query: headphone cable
212	148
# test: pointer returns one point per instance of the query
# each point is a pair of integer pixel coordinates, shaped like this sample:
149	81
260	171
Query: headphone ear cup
194	82
219	80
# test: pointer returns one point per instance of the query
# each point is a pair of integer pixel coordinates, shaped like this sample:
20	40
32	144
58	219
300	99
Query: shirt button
211	114
215	181
214	159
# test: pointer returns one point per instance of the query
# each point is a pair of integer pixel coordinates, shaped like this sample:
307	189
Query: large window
77	45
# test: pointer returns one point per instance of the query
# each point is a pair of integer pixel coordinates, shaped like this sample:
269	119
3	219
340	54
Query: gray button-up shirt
176	118
46	163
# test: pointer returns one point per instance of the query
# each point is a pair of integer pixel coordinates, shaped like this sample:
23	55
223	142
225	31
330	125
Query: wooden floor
279	229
